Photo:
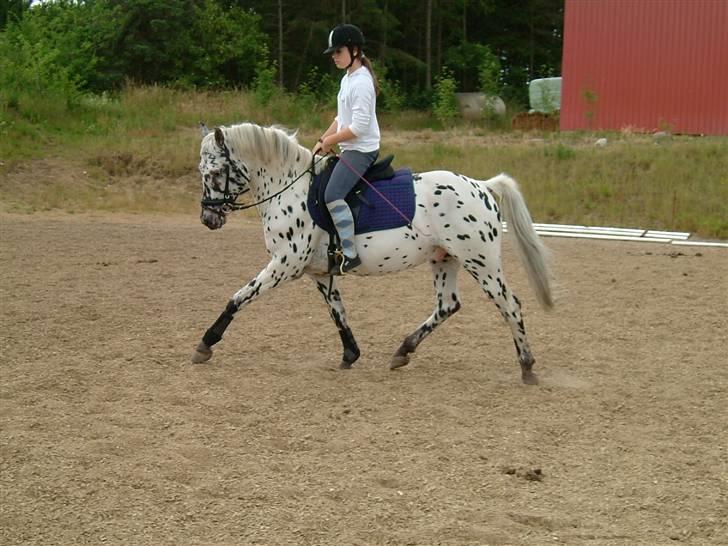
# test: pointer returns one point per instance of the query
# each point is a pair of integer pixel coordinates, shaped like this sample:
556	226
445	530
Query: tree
12	10
220	43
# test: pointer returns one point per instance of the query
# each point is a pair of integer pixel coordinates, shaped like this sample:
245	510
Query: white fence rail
620	234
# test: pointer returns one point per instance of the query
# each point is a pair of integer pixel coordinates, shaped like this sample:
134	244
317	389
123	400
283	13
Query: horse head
224	178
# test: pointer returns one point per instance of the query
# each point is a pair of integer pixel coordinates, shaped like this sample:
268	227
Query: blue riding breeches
344	176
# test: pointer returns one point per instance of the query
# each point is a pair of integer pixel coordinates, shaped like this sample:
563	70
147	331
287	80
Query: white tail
530	248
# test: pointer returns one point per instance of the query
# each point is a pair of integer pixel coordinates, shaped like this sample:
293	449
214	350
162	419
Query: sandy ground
108	435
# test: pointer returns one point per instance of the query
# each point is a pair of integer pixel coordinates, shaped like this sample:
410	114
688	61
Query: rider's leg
342	181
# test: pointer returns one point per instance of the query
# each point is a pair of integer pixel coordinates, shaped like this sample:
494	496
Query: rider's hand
323	146
326	145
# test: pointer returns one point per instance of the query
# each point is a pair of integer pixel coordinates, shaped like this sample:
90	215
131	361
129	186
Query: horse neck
269	178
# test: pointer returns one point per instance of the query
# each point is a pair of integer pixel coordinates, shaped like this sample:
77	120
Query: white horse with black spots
457	223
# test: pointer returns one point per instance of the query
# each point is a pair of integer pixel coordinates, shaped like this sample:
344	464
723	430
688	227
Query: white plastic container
474	105
544	95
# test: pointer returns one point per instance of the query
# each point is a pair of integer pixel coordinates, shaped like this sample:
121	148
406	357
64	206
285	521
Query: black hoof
348	359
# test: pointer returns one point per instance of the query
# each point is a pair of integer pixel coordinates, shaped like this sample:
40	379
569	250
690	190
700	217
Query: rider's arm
330	131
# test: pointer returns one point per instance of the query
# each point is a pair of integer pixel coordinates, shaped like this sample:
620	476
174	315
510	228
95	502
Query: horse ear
204	131
219	137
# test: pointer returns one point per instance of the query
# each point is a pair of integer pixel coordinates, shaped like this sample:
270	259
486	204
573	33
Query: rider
355	129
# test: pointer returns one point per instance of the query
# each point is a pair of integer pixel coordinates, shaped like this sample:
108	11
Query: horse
457	223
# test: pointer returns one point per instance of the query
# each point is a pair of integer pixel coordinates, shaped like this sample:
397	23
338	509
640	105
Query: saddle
369	210
382	199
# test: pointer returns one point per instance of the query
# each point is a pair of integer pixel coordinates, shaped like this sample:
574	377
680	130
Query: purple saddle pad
383	204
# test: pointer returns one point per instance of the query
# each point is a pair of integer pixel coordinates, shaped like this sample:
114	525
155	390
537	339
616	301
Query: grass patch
682	185
138	152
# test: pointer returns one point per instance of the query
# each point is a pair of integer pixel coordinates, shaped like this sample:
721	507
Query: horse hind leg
509	306
445	274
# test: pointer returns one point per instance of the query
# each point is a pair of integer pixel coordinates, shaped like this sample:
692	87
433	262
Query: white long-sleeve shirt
357	110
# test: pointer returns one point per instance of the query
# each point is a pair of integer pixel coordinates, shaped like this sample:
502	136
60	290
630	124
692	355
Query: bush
445	106
489	73
228	48
264	84
474	64
34	64
391	98
317	90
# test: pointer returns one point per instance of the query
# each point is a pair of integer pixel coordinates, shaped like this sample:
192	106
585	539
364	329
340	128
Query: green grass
138	152
633	182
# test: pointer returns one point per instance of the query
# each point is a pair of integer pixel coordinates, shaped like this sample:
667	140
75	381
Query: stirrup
346	265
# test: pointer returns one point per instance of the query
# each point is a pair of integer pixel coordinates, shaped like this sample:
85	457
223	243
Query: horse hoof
529	378
398	361
345	365
202	354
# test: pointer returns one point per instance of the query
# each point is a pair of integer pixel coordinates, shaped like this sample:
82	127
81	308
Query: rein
229	203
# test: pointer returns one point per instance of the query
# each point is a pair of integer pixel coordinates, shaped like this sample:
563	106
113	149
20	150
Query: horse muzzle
212	218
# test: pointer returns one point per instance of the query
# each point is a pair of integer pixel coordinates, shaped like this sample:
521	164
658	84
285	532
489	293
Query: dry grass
138	153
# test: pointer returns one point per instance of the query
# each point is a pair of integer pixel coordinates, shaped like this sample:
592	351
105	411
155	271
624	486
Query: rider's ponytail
366	62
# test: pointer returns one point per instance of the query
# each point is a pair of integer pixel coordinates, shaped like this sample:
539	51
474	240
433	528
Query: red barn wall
646	65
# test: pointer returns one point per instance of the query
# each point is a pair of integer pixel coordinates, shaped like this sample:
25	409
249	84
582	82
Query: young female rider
355	130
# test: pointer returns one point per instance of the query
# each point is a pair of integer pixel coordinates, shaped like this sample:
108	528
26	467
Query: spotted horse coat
457	224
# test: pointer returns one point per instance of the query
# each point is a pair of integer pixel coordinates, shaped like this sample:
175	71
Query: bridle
228	202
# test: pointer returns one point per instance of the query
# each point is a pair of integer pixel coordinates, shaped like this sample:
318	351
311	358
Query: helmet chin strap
351	56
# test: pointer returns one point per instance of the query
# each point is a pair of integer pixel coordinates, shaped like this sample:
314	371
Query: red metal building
647	65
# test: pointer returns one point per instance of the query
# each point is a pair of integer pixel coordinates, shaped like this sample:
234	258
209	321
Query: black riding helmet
345	36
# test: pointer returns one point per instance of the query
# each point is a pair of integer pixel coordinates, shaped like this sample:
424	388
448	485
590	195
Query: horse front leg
270	277
327	286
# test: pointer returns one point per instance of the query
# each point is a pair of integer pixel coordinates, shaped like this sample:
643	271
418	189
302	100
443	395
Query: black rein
229	203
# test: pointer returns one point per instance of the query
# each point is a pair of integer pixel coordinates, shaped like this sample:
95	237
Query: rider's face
341	57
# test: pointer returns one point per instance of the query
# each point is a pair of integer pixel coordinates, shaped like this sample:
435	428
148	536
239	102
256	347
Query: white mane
270	145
